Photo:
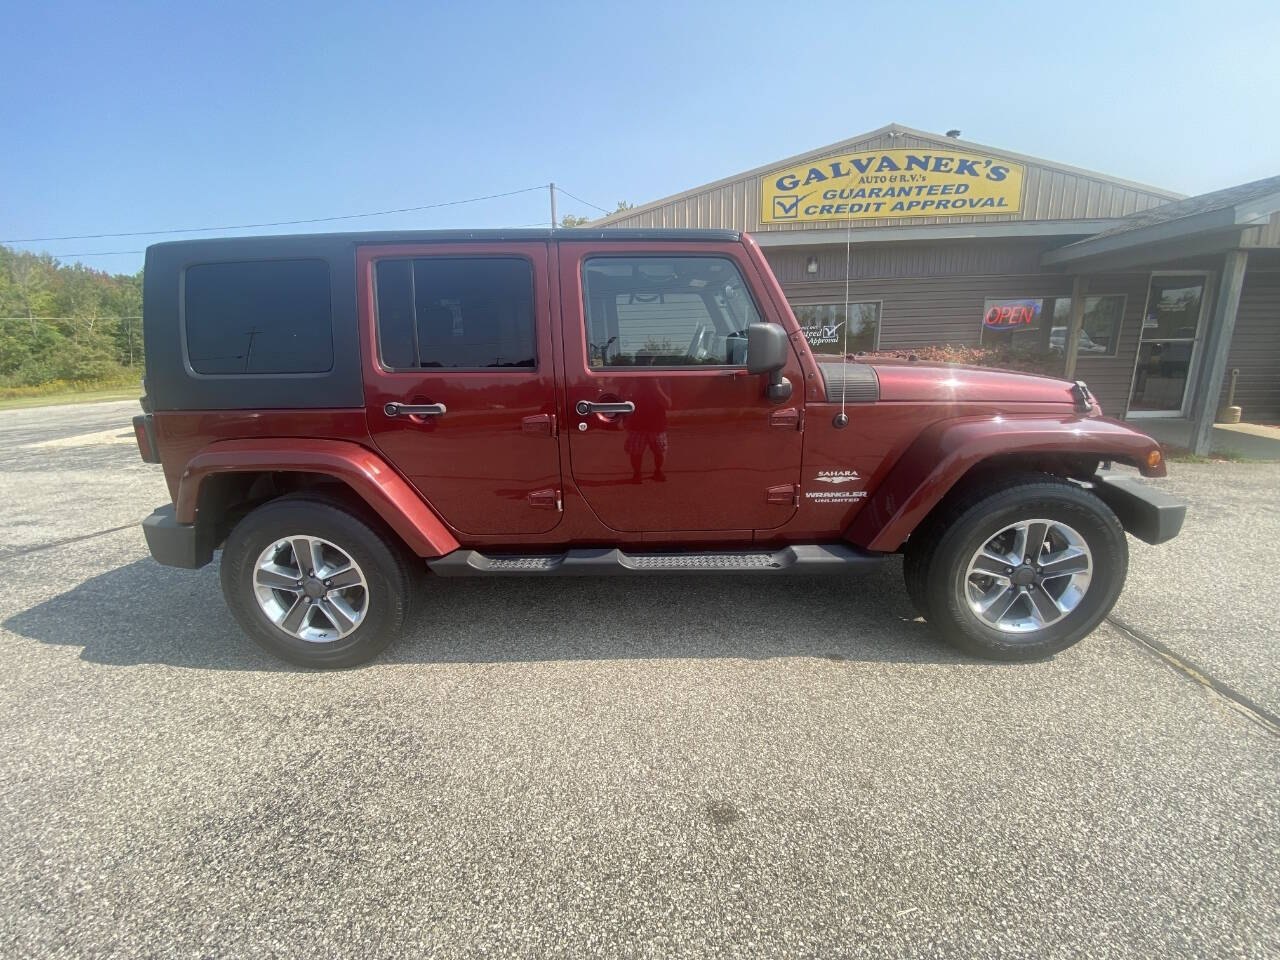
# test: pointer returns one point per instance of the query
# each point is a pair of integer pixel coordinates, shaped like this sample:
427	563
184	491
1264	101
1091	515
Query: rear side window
259	317
457	313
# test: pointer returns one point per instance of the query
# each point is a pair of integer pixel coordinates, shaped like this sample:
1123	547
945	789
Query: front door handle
414	409
586	407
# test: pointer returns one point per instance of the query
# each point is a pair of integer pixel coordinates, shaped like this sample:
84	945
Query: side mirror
767	349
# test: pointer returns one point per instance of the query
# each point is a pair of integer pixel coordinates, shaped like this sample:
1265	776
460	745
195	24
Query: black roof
456	236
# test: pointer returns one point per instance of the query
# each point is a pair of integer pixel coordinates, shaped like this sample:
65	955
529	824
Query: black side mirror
767	348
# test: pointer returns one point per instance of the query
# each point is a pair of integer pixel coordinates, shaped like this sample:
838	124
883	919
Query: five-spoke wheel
1017	568
1029	575
310	588
316	581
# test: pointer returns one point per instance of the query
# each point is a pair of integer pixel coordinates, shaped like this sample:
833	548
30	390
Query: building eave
945	231
1195	231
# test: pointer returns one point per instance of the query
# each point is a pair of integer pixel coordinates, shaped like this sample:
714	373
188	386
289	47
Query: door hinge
788	417
783	494
546	500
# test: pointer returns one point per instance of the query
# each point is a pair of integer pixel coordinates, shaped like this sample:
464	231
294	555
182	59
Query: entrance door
1167	347
689	441
460	379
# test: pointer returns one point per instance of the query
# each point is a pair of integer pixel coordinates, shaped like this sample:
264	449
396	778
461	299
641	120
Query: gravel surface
650	768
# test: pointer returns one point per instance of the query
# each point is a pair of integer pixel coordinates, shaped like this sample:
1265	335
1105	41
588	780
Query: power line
139	317
580	200
284	223
97	253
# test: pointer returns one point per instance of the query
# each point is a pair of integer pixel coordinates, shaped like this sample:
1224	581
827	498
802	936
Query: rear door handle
586	407
415	409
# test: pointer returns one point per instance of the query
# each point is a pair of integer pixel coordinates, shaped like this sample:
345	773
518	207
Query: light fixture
811	266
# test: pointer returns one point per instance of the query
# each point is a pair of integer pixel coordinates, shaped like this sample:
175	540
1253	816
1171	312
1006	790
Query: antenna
841	419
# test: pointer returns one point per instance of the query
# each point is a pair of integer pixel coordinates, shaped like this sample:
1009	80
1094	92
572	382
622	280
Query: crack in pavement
23	551
1255	712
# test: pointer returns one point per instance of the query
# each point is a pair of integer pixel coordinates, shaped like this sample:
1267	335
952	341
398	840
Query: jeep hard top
342	414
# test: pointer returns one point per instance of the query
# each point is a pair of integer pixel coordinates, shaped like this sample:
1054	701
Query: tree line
66	322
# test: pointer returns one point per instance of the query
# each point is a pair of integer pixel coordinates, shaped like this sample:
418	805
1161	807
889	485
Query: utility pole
552	187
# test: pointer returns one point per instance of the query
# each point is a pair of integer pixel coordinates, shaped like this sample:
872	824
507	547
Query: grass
67	391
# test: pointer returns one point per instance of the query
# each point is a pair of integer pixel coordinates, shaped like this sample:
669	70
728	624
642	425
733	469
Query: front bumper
176	544
1146	513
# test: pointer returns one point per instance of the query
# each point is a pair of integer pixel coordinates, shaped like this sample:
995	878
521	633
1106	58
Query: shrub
1007	358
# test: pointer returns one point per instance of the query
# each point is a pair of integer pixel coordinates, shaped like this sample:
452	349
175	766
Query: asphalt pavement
685	767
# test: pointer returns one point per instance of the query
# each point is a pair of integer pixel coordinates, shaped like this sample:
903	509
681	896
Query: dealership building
1153	298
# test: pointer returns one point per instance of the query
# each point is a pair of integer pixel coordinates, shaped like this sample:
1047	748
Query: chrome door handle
586	407
414	410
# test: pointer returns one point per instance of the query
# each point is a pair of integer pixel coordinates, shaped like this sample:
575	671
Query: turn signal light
1154	458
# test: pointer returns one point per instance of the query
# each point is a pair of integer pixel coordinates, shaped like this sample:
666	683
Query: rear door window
457	313
258	317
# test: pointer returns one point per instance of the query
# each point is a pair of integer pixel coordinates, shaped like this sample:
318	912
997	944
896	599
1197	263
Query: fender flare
369	476
946	450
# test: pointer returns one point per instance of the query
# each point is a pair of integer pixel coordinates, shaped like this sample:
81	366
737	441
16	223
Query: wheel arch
226	479
957	453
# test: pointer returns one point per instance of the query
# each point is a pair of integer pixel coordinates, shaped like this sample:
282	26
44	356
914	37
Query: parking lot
650	768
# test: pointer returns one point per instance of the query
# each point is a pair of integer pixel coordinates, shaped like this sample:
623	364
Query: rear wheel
1021	572
314	584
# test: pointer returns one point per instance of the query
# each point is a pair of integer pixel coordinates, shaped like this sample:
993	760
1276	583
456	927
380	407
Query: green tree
65	322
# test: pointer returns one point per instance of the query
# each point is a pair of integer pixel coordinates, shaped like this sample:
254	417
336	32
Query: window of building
1033	323
828	333
258	317
666	312
457	313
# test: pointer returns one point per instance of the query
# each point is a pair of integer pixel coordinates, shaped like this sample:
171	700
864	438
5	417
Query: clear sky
131	117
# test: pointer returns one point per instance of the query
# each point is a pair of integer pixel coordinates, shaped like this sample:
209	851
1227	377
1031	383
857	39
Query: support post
1217	343
552	187
1071	342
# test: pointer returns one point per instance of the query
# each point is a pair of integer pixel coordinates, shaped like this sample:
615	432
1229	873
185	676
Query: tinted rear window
259	317
463	313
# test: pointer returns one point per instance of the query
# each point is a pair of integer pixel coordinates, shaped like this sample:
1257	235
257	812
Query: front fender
946	450
366	473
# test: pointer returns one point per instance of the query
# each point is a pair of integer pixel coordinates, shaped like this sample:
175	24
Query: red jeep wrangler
334	411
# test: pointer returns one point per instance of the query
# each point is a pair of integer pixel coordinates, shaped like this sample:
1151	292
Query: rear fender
945	451
367	474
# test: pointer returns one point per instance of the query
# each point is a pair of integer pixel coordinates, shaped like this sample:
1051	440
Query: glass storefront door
1167	348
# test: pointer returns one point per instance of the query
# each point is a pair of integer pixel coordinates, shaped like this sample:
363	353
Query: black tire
381	560
936	563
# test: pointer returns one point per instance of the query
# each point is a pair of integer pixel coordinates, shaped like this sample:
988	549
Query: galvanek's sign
892	183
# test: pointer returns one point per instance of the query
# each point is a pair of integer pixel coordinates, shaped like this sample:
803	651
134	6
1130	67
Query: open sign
1012	314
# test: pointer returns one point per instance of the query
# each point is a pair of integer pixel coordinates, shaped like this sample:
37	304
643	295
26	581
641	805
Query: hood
913	380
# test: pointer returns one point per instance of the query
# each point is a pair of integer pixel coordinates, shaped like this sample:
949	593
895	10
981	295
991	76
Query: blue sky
146	116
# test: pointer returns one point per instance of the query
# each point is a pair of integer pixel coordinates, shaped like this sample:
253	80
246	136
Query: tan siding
1255	348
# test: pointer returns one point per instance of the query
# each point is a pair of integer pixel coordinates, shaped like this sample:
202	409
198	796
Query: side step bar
610	561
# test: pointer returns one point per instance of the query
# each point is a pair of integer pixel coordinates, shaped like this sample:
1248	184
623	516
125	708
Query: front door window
1170	327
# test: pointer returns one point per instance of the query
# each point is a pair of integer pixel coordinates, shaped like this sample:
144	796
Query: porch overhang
1212	231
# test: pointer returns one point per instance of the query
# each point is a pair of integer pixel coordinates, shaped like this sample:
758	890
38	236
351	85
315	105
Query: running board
610	561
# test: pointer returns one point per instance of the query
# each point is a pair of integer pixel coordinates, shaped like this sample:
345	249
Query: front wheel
315	584
1021	572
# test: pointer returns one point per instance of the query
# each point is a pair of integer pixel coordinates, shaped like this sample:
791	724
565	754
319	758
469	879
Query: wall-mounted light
811	266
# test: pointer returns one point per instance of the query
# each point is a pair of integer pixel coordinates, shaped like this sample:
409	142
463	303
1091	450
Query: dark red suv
340	414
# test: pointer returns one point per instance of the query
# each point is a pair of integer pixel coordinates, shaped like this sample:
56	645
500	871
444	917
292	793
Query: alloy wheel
310	588
1028	576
